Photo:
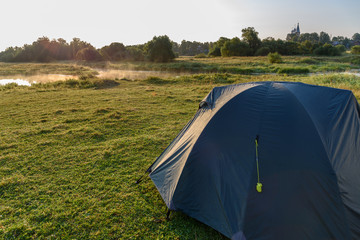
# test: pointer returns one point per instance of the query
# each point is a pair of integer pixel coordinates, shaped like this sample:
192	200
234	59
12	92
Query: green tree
135	53
215	48
339	39
250	36
292	37
341	48
270	43
290	48
324	38
356	37
188	48
64	51
114	52
347	42
159	49
235	47
9	54
306	47
88	54
41	50
263	51
76	45
327	50
312	37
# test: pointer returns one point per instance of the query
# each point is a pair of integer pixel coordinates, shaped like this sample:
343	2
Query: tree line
295	44
162	49
159	49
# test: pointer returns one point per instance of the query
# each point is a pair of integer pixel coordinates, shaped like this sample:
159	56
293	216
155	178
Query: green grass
69	158
192	65
67	68
70	153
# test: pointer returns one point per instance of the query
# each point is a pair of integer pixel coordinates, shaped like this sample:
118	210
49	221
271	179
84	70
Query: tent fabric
308	154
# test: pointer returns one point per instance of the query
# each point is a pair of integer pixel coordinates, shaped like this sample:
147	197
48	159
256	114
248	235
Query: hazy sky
137	21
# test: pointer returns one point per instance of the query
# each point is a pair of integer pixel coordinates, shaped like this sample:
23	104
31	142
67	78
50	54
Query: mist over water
24	80
134	74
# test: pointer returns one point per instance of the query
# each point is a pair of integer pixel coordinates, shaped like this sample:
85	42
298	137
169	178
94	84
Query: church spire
298	29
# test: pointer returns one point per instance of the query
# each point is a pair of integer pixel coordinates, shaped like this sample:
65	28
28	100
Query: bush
201	55
157	81
294	70
355	49
105	83
327	50
341	48
355	60
274	58
308	61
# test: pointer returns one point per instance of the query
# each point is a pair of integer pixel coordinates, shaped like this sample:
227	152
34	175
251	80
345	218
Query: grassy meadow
71	151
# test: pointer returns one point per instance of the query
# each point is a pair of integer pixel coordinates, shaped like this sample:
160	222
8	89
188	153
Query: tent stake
168	215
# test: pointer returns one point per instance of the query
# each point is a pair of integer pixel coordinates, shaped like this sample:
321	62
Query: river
112	74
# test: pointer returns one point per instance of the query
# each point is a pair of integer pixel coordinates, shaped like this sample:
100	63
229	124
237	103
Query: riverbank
40	73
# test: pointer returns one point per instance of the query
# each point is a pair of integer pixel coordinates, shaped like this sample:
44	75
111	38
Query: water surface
18	81
24	80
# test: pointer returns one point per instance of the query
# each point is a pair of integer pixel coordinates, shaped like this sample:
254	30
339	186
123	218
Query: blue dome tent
268	160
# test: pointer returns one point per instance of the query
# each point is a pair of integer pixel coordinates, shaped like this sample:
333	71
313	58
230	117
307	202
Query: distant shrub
222	78
236	70
72	83
263	51
274	58
355	49
355	60
308	61
341	48
201	55
105	83
157	81
294	70
327	50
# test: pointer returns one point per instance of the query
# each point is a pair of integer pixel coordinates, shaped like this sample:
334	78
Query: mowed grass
71	153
